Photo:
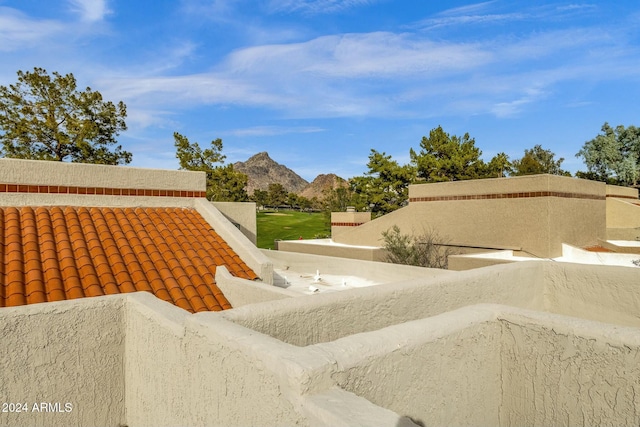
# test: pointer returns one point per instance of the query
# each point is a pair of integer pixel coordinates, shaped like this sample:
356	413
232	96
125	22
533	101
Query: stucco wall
564	371
241	292
296	321
328	249
423	349
243	214
341	221
622	213
596	292
38	172
537	224
181	371
619	191
63	353
379	272
443	370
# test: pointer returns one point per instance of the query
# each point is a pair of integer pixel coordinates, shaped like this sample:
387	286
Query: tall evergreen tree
445	157
47	118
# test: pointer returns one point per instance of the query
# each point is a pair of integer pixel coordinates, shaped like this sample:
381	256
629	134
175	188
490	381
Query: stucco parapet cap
568	325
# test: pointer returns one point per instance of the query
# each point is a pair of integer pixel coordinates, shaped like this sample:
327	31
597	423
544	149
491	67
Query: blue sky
318	83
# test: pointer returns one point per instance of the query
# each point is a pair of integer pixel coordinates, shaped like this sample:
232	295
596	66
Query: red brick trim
55	189
521	195
346	224
622	197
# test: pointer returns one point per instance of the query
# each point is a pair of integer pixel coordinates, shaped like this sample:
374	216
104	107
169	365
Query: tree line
46	117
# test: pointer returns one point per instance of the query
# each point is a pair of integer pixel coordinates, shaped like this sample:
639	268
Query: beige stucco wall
565	371
516	184
377	272
296	321
329	249
423	349
181	371
69	352
241	292
47	173
446	372
622	213
350	218
33	199
241	213
596	292
626	192
38	172
536	225
460	262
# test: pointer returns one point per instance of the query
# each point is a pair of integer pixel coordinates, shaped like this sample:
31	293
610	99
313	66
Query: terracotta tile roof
54	253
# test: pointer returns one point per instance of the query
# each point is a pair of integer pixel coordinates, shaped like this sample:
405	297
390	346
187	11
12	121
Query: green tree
385	186
337	199
499	166
292	200
277	194
224	184
612	156
47	118
261	197
444	157
538	161
227	185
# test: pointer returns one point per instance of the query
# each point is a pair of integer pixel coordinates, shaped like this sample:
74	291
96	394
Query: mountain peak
262	170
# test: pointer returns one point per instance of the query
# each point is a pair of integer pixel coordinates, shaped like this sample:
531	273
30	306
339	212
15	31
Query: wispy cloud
387	74
273	131
574	7
316	6
90	10
379	54
18	31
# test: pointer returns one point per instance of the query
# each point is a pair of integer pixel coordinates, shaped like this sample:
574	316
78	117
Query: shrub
427	249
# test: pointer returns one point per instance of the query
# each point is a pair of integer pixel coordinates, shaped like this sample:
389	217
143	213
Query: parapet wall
534	214
79	175
45	183
135	360
70	354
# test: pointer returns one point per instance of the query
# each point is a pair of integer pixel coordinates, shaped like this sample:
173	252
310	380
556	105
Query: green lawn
289	225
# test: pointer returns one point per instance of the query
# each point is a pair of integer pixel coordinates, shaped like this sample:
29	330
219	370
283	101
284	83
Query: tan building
533	216
532	343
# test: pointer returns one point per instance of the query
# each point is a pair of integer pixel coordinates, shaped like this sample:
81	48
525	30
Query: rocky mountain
321	184
262	170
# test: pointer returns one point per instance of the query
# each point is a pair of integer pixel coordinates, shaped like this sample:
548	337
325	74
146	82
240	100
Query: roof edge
249	253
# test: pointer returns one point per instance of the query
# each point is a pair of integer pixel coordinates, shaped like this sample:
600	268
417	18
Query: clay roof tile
51	254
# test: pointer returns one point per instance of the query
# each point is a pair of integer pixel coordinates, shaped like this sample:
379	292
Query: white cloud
90	10
382	74
273	130
316	6
18	31
378	54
